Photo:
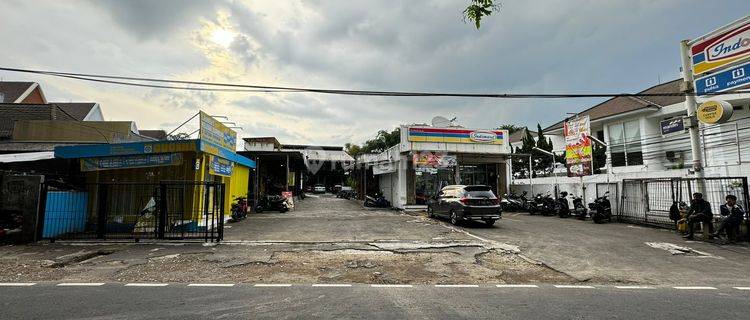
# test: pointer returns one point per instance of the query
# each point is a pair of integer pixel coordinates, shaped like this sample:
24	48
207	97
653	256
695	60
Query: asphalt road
181	301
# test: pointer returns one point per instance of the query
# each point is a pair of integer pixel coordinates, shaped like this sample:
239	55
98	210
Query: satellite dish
440	122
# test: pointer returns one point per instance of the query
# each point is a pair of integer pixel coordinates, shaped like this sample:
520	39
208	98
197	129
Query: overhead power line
233	87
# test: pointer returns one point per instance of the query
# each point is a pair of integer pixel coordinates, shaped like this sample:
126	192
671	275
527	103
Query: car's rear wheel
454	218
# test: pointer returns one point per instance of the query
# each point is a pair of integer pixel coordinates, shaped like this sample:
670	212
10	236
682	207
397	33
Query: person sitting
700	211
733	216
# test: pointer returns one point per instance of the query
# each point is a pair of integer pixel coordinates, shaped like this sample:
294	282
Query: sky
550	46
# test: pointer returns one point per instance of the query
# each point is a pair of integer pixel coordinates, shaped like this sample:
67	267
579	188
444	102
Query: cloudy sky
550	46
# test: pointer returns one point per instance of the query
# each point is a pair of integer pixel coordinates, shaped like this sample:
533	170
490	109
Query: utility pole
691	105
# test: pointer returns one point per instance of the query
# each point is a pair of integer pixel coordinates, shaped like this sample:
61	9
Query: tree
479	9
521	163
512	128
382	141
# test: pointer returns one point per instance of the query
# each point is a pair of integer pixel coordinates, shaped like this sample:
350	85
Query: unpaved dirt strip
456	286
391	286
573	287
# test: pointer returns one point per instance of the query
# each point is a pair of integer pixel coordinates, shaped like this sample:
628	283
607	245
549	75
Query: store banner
578	148
434	160
383	168
457	135
219	166
129	162
722	48
213	131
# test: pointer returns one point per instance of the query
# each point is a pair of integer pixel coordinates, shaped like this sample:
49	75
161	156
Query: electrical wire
269	89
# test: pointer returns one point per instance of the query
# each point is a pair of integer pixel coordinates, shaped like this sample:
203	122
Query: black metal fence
165	210
647	201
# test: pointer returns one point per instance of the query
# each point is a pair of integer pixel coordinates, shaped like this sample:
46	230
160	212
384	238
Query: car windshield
479	192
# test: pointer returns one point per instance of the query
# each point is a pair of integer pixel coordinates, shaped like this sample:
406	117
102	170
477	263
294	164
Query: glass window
625	144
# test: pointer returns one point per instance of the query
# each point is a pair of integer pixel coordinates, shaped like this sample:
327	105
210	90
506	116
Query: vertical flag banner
578	149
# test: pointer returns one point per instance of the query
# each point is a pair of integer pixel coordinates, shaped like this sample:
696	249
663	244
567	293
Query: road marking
80	284
146	284
391	286
273	285
17	284
211	285
695	288
562	286
634	287
742	288
517	286
331	285
456	286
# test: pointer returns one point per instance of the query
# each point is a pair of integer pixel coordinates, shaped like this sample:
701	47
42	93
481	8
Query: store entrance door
429	181
482	174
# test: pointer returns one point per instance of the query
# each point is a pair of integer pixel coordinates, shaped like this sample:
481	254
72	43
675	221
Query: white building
429	158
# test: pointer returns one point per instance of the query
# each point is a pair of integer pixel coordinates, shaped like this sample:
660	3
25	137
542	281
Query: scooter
511	202
272	203
601	209
562	207
579	209
537	204
549	205
239	209
378	201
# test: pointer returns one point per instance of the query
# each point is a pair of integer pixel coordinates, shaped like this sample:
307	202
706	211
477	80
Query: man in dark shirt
733	216
700	211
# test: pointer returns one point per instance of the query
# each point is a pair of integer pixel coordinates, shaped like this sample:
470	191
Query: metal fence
647	201
166	210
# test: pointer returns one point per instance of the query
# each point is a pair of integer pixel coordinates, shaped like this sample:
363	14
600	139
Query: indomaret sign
578	149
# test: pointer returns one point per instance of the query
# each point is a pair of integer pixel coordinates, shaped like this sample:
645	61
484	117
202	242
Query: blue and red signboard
723	49
456	135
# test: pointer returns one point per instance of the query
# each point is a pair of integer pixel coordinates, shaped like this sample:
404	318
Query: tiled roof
520	134
78	110
620	105
12	112
11	90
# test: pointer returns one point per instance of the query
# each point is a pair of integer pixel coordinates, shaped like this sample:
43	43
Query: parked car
319	188
460	203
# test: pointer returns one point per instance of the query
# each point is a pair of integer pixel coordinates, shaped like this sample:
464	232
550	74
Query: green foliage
479	9
512	128
383	140
599	155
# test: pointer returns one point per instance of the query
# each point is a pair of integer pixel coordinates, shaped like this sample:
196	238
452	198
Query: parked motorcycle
272	203
579	209
239	209
511	202
601	209
549	205
562	206
536	205
378	201
525	202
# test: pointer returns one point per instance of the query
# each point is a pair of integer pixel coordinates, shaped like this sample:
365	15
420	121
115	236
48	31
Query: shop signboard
721	48
219	166
456	135
715	111
727	79
130	162
433	160
673	126
215	132
383	168
578	149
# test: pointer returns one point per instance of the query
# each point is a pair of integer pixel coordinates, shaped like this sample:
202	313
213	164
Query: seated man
700	211
734	215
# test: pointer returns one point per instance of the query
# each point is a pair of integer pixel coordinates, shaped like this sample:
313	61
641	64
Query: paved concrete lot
618	252
115	301
325	218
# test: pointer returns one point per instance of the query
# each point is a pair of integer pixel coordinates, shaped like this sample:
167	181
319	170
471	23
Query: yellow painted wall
236	185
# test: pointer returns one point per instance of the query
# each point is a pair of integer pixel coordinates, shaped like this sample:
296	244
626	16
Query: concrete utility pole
691	105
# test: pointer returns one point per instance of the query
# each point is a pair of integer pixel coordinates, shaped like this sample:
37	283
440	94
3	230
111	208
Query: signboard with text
578	148
457	135
728	79
213	131
673	126
720	49
434	160
129	162
219	166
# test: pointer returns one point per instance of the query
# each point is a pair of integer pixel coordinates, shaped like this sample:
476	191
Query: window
625	144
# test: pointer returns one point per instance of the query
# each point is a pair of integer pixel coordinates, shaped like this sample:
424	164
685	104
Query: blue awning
149	147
